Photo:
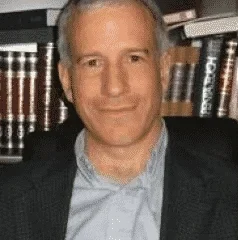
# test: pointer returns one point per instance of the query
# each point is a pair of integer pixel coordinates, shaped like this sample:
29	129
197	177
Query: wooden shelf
10	156
39	35
10	159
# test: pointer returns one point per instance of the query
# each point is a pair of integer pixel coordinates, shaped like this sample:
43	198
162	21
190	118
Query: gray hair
83	5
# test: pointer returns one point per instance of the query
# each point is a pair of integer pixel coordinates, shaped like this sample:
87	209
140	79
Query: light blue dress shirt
101	209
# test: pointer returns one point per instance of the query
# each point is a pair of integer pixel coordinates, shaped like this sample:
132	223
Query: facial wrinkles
112	28
113	37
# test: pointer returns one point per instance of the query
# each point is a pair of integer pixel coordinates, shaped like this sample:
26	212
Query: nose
115	81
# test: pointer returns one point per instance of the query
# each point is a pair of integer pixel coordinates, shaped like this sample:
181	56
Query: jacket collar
186	202
187	198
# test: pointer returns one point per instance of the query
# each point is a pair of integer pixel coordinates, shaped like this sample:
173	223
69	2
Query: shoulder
203	131
206	134
212	125
19	177
40	145
41	157
206	148
211	139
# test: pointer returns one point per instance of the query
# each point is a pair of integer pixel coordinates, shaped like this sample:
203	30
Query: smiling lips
118	110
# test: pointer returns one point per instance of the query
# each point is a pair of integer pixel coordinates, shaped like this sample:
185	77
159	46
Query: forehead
111	22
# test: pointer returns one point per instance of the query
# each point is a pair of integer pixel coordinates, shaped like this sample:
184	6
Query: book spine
182	16
211	27
31	95
192	63
46	102
226	78
233	106
20	78
207	77
188	93
166	93
177	81
9	117
2	103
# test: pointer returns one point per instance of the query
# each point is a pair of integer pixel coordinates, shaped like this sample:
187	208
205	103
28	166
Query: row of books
177	100
30	95
204	81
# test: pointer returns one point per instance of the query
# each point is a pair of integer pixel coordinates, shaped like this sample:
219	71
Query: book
233	105
207	76
47	103
31	95
226	77
178	75
20	101
1	99
172	97
39	18
166	92
12	95
211	27
14	101
7	94
199	19
178	17
188	88
39	35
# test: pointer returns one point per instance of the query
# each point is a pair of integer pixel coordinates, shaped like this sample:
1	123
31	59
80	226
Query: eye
93	63
135	58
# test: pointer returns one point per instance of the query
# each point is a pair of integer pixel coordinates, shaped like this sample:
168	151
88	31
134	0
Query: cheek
84	88
146	83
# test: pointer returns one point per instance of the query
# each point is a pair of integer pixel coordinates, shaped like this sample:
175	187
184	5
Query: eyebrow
92	54
143	50
97	53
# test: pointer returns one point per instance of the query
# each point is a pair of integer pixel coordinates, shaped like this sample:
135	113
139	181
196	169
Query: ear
65	80
165	64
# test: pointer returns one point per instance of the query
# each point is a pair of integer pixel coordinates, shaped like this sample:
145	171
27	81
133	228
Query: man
129	174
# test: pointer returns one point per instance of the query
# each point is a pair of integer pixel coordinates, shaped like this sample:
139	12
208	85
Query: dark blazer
200	193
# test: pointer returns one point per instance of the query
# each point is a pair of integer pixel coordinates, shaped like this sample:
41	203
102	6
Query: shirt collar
146	178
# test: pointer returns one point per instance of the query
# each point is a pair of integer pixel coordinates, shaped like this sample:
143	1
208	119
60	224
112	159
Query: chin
120	136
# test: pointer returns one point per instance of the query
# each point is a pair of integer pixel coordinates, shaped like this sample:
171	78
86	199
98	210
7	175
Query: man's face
114	79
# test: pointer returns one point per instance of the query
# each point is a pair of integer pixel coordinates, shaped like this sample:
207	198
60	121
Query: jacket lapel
188	202
47	203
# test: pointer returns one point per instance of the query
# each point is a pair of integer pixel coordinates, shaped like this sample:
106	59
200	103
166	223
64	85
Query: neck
123	163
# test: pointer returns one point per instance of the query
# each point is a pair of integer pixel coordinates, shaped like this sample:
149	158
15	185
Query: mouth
118	109
122	110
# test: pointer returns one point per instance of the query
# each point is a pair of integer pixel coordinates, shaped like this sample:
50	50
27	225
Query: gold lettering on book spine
226	78
32	74
20	75
8	132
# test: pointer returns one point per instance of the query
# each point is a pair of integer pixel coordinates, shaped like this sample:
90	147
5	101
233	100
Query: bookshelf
178	100
10	159
22	73
216	71
39	35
